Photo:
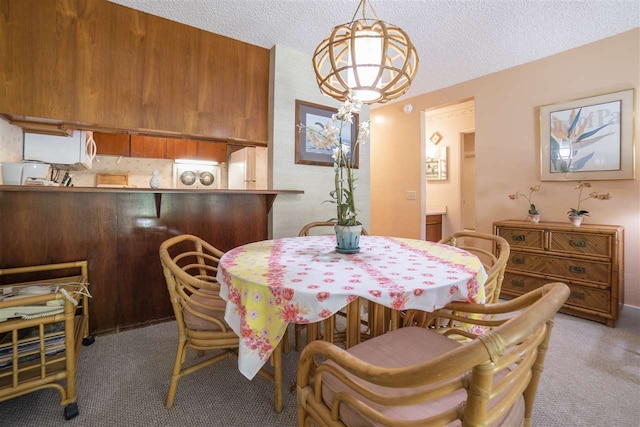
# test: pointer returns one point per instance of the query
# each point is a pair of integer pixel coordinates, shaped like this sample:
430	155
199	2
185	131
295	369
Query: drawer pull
577	295
517	283
577	270
518	237
517	260
578	243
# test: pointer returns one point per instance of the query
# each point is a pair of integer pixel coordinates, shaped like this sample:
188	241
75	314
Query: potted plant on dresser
576	215
533	213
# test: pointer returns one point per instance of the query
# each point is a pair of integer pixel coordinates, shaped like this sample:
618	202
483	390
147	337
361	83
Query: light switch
411	195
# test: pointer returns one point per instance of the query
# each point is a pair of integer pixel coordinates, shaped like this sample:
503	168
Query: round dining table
272	283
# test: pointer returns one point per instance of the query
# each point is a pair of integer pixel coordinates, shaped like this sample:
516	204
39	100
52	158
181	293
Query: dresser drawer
580	296
560	267
519	238
580	243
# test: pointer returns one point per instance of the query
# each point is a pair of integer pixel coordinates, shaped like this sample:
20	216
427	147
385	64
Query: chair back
414	376
305	231
492	250
190	265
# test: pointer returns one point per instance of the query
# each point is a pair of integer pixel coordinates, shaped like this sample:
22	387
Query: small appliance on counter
26	173
196	174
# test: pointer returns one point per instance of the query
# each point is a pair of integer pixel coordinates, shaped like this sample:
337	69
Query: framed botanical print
588	138
311	115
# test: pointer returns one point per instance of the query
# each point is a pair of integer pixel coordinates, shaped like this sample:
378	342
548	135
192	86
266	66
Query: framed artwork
315	115
436	165
588	139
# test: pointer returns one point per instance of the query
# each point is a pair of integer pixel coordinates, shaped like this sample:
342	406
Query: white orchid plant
593	195
330	137
533	189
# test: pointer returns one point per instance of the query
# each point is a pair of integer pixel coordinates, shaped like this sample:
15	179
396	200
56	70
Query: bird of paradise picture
586	139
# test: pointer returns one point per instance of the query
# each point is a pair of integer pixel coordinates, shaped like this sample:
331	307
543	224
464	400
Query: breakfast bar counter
119	231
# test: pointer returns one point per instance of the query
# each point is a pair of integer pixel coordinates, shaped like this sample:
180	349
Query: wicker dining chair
306	230
190	265
332	330
493	252
414	376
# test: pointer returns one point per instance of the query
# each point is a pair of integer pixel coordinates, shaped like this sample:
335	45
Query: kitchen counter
140	190
157	192
119	232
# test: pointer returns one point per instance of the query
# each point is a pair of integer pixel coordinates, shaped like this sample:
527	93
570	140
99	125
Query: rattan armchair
190	265
485	247
414	376
306	230
335	329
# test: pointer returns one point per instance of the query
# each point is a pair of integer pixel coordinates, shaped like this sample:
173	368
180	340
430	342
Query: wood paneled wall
120	235
100	63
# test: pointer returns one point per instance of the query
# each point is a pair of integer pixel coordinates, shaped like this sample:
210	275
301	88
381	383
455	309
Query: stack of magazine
29	343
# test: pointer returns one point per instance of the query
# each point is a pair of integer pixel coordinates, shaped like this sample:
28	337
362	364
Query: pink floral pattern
272	283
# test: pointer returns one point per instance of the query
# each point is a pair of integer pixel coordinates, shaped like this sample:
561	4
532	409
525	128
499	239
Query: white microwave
75	152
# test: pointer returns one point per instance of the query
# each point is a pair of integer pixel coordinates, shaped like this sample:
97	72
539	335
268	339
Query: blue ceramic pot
348	238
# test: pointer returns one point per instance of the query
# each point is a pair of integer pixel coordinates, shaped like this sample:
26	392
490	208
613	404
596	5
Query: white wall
292	78
507	123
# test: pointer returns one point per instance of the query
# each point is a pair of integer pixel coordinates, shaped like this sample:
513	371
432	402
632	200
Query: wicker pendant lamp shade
374	60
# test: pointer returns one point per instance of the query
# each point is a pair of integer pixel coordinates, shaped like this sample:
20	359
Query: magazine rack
47	318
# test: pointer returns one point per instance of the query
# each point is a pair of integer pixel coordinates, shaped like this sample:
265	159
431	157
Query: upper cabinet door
215	151
138	72
148	146
115	144
182	149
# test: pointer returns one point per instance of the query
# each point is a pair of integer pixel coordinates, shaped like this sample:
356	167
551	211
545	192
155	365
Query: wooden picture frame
588	139
309	115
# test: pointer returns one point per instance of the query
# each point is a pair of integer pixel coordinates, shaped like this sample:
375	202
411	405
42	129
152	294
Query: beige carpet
592	379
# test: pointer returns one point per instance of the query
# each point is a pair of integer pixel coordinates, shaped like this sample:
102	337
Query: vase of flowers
532	215
576	215
348	229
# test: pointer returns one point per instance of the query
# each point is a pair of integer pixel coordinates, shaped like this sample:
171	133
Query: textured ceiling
456	40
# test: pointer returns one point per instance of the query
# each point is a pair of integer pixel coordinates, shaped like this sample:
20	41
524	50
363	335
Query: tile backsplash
138	169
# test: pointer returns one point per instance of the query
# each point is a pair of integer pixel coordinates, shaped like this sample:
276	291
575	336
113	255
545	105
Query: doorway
451	129
468	180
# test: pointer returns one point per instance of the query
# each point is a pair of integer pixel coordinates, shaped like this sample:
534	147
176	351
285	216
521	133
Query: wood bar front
119	233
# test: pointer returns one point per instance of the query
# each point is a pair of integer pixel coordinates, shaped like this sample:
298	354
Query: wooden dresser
588	258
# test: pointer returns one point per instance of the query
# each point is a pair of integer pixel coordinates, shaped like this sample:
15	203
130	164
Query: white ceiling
456	40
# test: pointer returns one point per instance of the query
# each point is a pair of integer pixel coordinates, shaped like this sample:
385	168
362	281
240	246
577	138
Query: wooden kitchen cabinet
196	150
588	258
114	144
138	72
214	151
181	149
434	228
148	146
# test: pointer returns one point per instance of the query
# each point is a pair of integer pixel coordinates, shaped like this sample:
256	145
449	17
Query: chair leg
277	378
175	375
298	336
285	339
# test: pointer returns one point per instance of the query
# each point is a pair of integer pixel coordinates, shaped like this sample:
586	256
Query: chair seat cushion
399	348
216	310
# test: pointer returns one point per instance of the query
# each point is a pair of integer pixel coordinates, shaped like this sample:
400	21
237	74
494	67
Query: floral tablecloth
271	283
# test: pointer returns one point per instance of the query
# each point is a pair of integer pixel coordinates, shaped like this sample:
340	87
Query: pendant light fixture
370	58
